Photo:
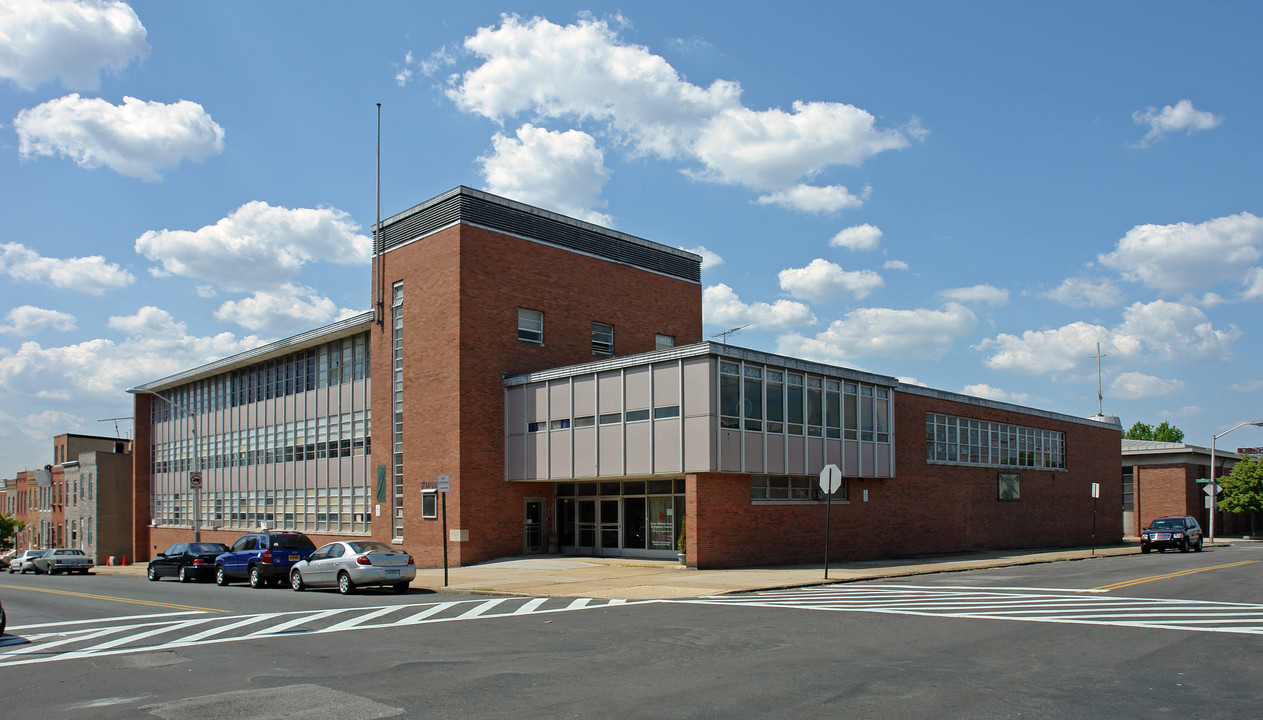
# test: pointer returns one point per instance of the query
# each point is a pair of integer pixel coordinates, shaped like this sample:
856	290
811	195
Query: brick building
552	373
1160	478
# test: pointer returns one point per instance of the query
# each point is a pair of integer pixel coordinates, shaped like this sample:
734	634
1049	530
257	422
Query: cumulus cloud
983	294
885	333
154	346
894	265
983	390
813	199
1181	116
858	237
426	67
584	72
46	39
563	171
136	139
1078	292
286	310
38	427
1247	386
1253	285
1154	332
1183	257
1138	386
28	320
258	246
822	281
91	274
1186	411
710	259
721	306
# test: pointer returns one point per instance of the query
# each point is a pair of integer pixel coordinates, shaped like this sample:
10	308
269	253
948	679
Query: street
1155	635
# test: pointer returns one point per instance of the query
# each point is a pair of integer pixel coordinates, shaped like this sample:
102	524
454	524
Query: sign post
1096	493
830	480
195	482
444	485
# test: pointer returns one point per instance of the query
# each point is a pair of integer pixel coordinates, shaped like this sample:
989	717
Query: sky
969	196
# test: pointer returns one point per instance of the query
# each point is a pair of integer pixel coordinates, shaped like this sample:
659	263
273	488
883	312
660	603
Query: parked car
186	561
2	619
63	560
351	564
262	558
25	561
1171	532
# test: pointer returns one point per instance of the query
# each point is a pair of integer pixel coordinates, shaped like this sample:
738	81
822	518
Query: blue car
262	558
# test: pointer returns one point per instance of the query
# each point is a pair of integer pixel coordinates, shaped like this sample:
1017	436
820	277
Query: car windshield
293	542
207	548
1167	524
368	546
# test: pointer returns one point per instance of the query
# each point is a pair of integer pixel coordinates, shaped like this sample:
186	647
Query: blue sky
969	196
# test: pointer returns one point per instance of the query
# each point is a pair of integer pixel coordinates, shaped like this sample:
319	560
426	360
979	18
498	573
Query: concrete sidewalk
641	578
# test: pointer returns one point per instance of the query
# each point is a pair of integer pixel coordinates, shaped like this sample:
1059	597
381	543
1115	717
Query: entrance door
534	527
585	526
609	527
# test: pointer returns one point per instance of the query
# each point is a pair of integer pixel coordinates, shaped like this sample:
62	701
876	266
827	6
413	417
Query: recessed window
602	339
637	415
530	326
662	342
563	424
585	421
429	503
611	418
536	427
662	413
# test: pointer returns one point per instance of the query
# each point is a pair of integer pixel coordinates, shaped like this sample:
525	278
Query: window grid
397	409
967	441
530	326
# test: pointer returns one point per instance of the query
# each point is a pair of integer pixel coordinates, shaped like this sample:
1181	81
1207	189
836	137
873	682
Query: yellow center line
173	606
1151	578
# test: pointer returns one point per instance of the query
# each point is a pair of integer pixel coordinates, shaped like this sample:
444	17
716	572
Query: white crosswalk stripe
114	636
1025	604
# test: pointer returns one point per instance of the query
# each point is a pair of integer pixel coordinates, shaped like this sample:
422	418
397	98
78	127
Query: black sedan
187	561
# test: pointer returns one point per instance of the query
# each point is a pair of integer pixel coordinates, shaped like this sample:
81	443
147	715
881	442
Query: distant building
1160	478
96	495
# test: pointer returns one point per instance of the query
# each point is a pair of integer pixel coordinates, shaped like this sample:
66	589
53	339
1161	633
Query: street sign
1211	488
1096	490
444	483
830	479
195	479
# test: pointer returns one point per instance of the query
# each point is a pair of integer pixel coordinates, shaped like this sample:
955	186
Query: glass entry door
585	526
609	527
533	540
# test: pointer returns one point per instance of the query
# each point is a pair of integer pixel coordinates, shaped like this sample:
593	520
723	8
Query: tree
1165	432
1243	489
8	528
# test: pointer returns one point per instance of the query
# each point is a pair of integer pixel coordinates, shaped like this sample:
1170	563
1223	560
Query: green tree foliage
1243	489
1165	432
8	528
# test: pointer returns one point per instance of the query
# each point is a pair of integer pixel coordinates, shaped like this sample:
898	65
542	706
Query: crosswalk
1020	604
168	631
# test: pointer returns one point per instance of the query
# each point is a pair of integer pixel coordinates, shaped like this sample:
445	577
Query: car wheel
1198	546
184	575
1184	546
296	581
221	577
256	578
345	586
401	588
152	574
1145	549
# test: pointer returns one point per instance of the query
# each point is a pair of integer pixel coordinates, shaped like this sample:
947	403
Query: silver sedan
351	564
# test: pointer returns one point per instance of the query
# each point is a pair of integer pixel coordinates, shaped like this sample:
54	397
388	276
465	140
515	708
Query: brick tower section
462	288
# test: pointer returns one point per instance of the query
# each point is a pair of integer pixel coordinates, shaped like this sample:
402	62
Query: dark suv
1173	531
263	557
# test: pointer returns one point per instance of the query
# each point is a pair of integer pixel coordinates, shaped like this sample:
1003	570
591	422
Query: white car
24	561
351	564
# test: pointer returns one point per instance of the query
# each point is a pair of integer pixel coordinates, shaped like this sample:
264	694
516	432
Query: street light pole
1214	494
197	463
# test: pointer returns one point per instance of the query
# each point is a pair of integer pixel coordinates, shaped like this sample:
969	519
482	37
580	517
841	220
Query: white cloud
983	390
561	171
1138	386
136	139
822	281
584	72
813	199
710	259
894	265
1078	292
1183	257
91	274
858	237
911	381
288	310
1186	411
1154	332
1247	386
258	246
1253	285
28	320
427	67
1181	116
721	306
988	294
39	427
45	39
885	333
155	346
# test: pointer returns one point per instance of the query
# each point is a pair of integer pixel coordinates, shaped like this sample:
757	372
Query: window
602	339
637	415
530	326
979	442
792	488
662	342
429	504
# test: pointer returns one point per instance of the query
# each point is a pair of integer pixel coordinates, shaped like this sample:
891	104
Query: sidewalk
643	579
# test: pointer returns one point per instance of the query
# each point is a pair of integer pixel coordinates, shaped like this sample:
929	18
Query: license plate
392	573
293	557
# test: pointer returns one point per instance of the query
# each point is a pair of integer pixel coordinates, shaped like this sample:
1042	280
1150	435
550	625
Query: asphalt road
1161	635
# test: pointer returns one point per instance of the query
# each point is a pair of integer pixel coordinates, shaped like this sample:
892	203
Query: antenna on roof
723	336
116	419
1099	397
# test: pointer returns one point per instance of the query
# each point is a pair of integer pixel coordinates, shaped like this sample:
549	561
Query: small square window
530	326
662	342
602	339
429	503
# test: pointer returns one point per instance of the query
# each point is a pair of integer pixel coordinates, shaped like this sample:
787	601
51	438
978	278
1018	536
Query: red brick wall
141	455
925	508
1169	490
462	291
